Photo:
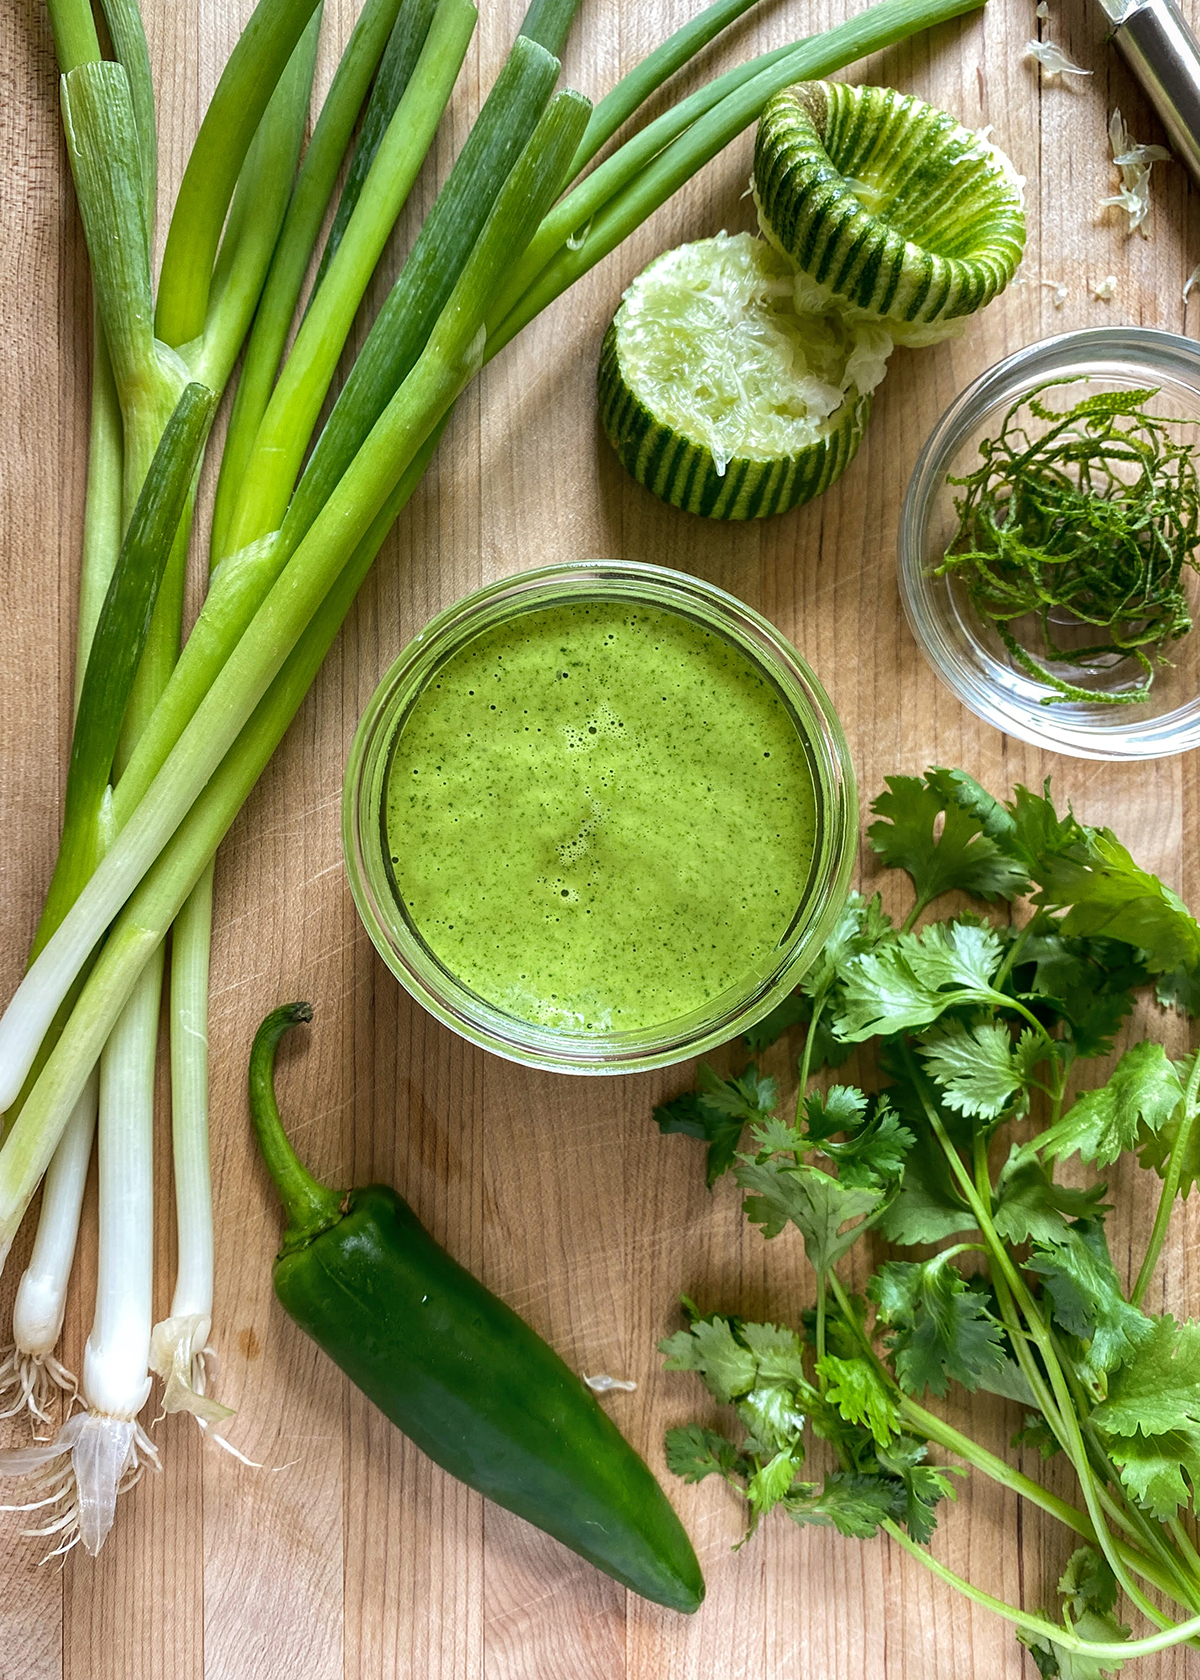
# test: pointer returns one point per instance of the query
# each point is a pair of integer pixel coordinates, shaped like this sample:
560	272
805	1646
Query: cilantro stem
1001	1000
1170	1188
806	1053
922	904
996	1469
820	1327
1010	961
1174	1633
1062	1418
1184	1541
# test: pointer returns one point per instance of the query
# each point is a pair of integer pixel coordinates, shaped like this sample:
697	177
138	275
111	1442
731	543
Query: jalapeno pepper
457	1370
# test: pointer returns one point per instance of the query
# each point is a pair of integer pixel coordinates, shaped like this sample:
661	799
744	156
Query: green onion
646	78
448	361
121	633
305	212
396	69
296	402
402	327
548	22
128	34
256	216
246	85
102	144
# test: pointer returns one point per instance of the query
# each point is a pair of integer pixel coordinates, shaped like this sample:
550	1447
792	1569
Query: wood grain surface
350	1555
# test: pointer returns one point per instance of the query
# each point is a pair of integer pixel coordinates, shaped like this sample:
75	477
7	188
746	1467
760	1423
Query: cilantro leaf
1151	1417
1090	874
1086	1296
860	1396
1088	1583
1009	1382
1087	983
853	1504
876	1142
860	927
1142	1093
1158	1386
694	1452
769	1484
775	1408
961	953
1055	1662
1037	1433
943	1330
794	1009
921	1487
710	1347
758	1367
1179	990
1156	1147
900	985
1153	1467
1031	1207
961	858
881	994
718	1113
842	1108
978	1068
809	1199
928	1206
994	819
778	1353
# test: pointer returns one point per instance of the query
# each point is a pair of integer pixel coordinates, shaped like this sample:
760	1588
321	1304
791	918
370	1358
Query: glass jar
963	649
426	976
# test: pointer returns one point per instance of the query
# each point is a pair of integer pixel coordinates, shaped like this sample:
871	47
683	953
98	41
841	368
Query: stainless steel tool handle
1164	55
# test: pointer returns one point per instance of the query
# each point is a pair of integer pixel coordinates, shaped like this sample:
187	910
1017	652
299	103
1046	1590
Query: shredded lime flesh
710	342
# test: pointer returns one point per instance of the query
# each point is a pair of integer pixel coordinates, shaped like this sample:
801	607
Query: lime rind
887	206
721	399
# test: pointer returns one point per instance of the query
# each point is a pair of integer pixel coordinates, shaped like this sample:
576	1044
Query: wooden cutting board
349	1555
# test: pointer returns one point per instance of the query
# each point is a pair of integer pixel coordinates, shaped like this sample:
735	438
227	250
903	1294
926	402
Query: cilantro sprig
974	1021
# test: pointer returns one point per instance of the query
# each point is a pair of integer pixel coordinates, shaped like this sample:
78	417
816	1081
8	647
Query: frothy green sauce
600	816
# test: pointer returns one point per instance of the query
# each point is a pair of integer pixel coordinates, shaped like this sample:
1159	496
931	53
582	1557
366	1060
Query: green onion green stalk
290	542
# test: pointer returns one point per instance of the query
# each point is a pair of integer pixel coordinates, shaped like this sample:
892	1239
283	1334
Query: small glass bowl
431	982
963	649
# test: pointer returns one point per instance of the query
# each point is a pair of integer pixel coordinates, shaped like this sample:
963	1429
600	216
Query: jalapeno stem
310	1207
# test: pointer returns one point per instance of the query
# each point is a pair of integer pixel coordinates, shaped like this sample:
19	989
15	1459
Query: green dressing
600	816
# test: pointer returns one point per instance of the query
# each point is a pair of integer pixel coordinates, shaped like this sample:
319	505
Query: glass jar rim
431	983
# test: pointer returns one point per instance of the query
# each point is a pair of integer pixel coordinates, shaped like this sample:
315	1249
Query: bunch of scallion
168	742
